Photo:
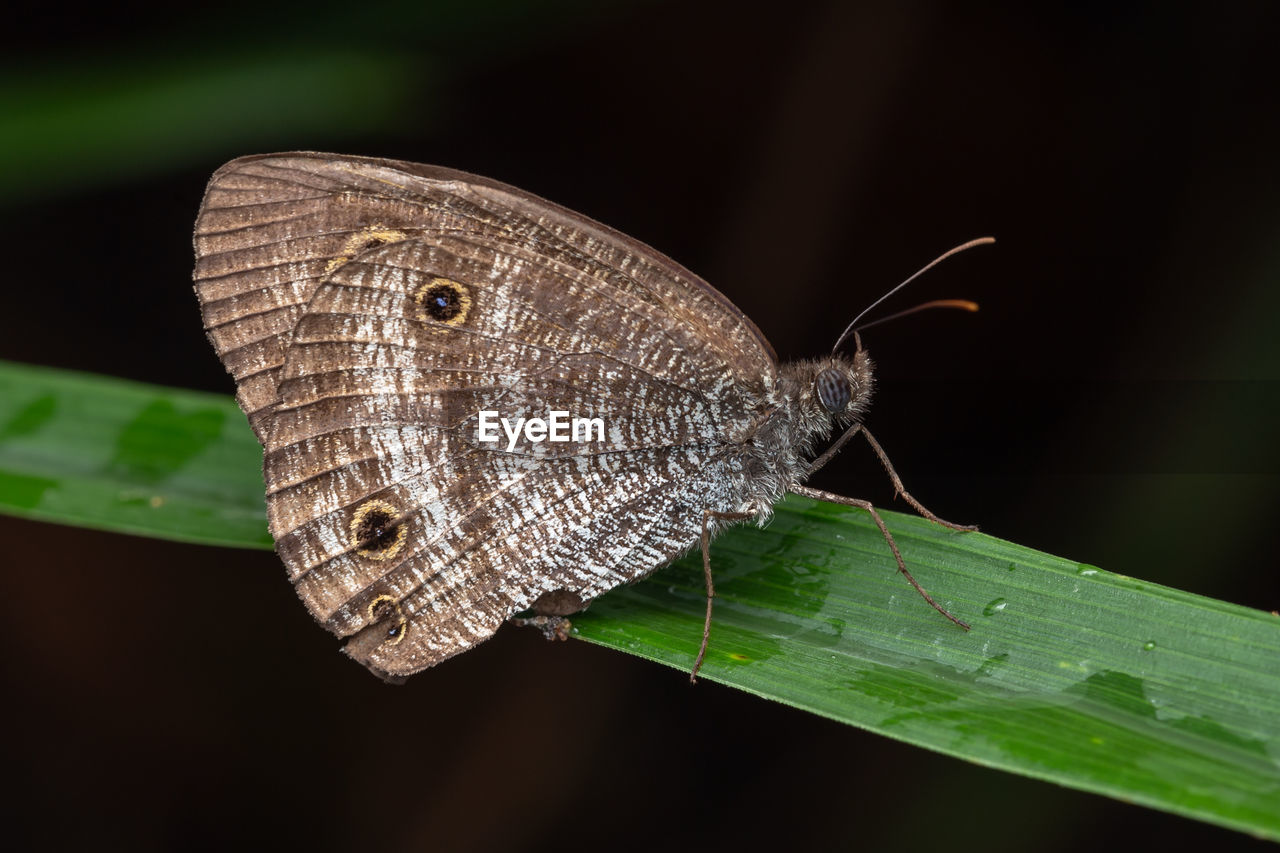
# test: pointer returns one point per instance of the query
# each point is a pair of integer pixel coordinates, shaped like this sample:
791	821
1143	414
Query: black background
1114	402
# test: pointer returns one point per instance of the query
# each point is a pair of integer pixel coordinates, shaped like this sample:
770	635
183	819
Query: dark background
1114	402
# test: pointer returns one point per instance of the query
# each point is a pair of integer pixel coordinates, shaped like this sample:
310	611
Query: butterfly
416	349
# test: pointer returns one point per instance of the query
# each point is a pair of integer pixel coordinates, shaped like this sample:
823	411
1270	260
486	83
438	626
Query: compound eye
833	390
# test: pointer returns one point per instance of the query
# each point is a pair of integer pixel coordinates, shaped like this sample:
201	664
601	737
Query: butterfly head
831	391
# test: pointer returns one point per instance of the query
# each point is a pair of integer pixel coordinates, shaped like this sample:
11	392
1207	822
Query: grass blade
1070	674
100	452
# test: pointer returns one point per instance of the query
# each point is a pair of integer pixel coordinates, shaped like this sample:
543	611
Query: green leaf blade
133	458
1070	674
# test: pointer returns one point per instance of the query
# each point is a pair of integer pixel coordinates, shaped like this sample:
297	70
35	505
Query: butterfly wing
370	310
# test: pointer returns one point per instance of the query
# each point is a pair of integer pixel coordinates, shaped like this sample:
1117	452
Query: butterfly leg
819	495
707	516
900	490
831	451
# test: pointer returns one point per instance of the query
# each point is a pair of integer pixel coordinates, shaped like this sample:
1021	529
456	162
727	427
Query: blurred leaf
69	123
88	125
1070	674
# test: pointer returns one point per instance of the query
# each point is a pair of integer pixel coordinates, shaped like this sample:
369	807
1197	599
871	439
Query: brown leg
707	515
832	450
901	490
818	494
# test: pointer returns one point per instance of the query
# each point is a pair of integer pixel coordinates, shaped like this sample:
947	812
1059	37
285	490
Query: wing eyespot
376	531
362	241
442	300
385	606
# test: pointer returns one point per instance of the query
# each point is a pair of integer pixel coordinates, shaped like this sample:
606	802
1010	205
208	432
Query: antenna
981	241
962	304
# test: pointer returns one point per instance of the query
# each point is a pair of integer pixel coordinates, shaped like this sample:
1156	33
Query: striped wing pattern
369	310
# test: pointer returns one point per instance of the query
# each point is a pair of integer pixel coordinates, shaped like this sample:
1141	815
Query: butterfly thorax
811	399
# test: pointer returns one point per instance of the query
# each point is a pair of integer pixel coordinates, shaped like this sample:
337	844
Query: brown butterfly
387	324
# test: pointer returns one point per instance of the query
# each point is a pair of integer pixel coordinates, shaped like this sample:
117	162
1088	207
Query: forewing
271	227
